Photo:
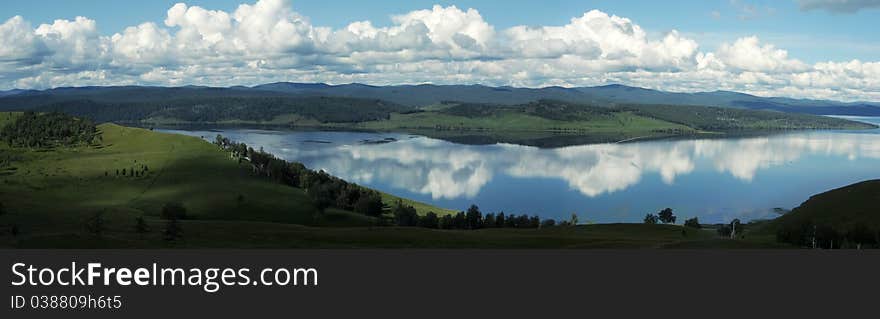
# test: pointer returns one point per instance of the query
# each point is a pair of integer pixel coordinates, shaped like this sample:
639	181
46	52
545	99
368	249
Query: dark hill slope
842	207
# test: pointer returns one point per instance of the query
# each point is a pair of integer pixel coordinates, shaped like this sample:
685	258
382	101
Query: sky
825	49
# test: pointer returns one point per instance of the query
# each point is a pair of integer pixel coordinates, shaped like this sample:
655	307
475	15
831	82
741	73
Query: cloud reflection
445	170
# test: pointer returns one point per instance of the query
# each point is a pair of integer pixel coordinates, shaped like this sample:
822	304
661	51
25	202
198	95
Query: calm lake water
714	179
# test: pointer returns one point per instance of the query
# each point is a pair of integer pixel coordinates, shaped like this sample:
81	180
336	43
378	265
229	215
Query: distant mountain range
416	96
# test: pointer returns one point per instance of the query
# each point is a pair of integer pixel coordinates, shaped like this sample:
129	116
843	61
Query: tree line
473	218
38	130
816	235
207	109
324	189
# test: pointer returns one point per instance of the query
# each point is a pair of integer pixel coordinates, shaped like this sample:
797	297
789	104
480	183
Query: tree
732	230
736	228
322	195
446	222
140	226
693	223
405	215
500	220
827	236
370	205
96	225
474	219
548	223
861	235
651	219
489	220
173	231
173	210
511	220
459	221
666	216
534	222
430	220
573	220
724	230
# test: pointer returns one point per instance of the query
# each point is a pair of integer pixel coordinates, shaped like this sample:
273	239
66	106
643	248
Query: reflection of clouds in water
446	170
597	169
422	165
742	158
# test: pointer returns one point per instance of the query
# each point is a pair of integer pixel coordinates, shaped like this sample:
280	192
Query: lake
716	180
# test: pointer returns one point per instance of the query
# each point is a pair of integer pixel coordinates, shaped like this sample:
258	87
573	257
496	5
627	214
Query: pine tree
96	224
141	226
173	230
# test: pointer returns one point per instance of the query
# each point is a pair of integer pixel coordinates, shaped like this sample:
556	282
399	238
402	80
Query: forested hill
242	109
48	130
417	96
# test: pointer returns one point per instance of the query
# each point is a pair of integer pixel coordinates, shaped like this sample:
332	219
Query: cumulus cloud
269	41
747	54
19	44
838	6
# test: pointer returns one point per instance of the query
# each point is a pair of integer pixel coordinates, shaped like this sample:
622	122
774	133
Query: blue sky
805	34
827	49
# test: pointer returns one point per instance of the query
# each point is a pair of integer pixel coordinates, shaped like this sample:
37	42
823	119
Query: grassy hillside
841	209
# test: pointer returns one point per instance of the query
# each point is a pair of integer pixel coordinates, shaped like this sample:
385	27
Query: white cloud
747	54
74	44
18	43
268	41
145	45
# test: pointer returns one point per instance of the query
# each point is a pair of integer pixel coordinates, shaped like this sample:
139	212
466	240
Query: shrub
693	223
174	210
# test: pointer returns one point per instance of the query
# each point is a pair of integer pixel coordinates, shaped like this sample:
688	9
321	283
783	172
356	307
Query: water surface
714	179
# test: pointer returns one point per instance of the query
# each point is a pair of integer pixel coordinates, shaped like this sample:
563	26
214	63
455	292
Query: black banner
455	283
